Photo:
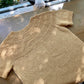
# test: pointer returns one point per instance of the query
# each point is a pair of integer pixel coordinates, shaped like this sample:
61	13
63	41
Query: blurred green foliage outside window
6	3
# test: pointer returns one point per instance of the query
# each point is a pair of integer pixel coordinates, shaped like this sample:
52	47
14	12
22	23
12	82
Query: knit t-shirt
45	51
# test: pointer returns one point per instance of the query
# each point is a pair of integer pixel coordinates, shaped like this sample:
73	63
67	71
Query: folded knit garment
45	51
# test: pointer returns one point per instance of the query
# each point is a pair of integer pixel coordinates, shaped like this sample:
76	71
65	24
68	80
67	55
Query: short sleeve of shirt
8	52
60	17
64	17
